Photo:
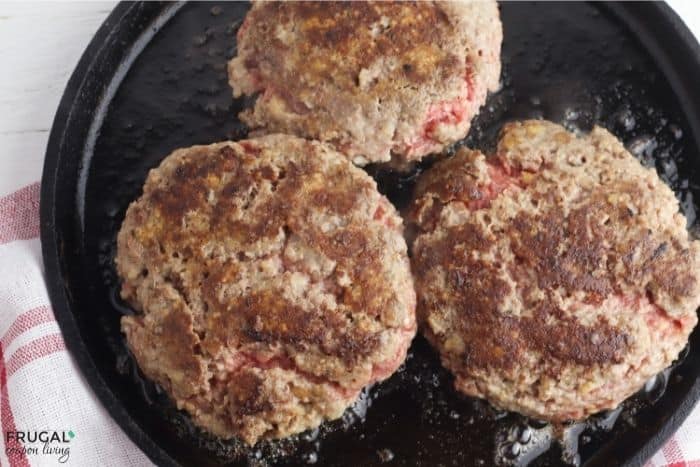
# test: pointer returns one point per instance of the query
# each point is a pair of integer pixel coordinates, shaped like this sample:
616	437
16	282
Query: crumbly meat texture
371	78
271	283
556	276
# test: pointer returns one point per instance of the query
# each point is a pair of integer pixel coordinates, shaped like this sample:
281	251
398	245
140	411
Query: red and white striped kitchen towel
43	395
47	411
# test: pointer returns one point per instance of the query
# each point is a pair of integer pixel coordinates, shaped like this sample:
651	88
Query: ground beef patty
555	277
271	284
371	78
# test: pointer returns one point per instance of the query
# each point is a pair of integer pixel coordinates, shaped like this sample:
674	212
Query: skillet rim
680	46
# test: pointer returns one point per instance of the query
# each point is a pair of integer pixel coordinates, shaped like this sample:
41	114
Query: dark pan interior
154	79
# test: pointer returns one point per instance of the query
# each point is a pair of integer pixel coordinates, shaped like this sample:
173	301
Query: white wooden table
40	44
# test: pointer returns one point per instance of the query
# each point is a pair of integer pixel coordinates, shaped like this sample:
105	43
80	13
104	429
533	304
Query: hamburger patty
371	78
271	284
556	276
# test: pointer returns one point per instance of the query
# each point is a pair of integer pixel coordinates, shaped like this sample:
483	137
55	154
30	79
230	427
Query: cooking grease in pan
452	427
570	63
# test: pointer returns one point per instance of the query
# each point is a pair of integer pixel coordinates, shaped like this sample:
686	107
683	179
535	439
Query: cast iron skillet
154	79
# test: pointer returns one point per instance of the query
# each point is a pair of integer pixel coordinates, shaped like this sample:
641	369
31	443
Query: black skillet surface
154	79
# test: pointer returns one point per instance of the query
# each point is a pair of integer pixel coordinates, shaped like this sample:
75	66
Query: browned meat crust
555	277
271	282
371	78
